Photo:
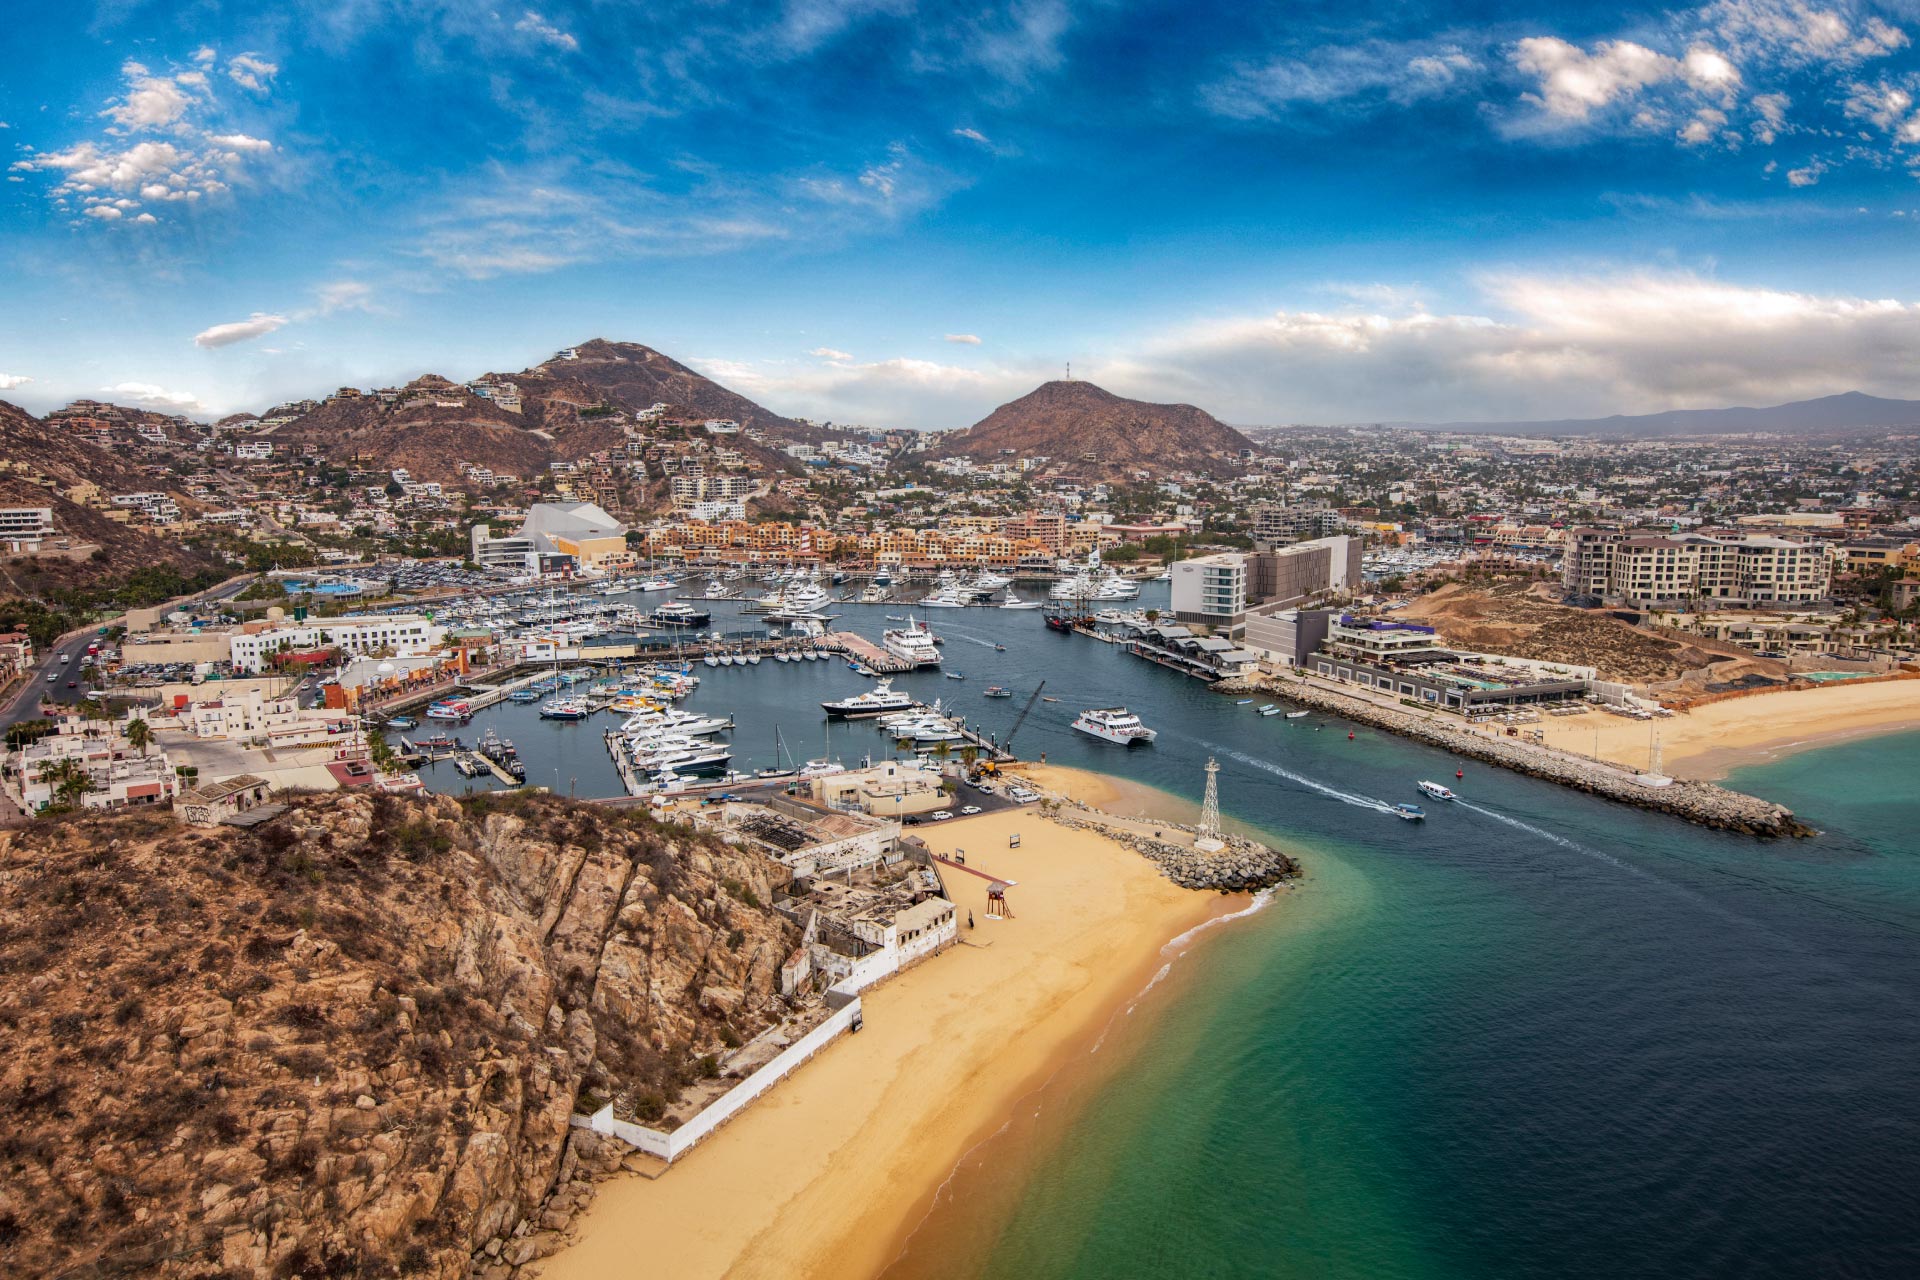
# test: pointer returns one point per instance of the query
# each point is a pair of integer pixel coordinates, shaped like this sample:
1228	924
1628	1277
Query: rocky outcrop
349	1041
1241	866
1701	802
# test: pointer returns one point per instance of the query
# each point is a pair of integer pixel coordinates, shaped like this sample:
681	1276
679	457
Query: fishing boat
1411	812
954	675
1116	725
1436	791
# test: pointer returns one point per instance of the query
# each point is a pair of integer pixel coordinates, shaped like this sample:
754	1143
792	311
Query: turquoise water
1566	1041
1828	677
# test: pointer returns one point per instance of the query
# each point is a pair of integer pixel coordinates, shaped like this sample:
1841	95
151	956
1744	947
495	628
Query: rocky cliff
348	1042
1089	431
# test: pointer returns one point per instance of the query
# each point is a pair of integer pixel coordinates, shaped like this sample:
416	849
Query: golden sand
1708	742
828	1173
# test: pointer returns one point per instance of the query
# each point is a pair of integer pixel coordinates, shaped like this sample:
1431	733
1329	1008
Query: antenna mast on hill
1069	371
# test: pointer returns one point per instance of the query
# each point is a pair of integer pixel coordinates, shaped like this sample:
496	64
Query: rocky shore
1243	866
1699	802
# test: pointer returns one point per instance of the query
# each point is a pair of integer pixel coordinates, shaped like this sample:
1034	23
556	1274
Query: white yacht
948	597
657	584
1015	602
912	643
1115	724
1436	790
883	697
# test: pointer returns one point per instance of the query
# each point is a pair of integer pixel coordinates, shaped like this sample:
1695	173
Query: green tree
140	735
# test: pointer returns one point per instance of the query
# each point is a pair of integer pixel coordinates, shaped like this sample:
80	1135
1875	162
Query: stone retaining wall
1701	802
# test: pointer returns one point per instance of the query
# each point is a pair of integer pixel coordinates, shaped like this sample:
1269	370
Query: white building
25	528
404	634
1211	591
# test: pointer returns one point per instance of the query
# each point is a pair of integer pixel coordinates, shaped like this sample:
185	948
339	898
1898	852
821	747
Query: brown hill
43	463
1087	430
348	1042
636	377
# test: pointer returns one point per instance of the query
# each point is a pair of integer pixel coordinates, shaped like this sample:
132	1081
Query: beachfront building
1220	591
890	789
1651	570
1408	662
806	838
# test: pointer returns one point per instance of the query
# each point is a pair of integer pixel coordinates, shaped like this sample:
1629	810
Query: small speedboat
1244	702
998	691
1268	707
1298	715
1436	791
954	675
1271	711
1411	812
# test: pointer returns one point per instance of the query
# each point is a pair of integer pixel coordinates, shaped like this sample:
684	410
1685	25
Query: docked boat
657	584
1411	812
1270	711
402	722
524	695
678	613
951	597
458	709
1015	602
912	644
1298	715
565	709
1116	725
1436	791
873	594
883	697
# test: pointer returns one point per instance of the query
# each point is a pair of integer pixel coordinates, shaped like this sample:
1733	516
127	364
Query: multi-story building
25	528
1218	590
1211	591
252	646
1645	570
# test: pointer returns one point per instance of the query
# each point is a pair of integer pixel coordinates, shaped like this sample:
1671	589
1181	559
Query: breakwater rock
1700	802
1242	866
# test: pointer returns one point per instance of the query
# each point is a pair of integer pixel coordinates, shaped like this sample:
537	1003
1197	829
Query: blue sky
897	213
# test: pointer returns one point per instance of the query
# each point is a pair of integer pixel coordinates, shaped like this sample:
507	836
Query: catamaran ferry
1115	724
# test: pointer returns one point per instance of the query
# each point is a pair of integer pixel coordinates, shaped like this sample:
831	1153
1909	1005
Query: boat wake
1312	784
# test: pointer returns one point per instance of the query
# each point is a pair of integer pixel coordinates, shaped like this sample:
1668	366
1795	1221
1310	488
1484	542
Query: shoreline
1709	742
951	1049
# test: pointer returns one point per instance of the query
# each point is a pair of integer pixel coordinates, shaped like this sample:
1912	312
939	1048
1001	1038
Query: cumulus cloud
150	101
829	353
239	142
251	71
9	381
542	31
147	395
257	325
1548	347
1807	175
1572	83
964	339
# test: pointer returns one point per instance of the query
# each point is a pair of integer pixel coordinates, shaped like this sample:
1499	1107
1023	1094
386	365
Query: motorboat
997	691
657	584
1116	725
678	613
524	695
950	597
1298	715
883	697
955	675
1436	791
402	722
1015	602
451	709
565	709
1270	711
1411	812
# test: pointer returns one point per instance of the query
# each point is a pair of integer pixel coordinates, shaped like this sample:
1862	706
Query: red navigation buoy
1459	774
1349	735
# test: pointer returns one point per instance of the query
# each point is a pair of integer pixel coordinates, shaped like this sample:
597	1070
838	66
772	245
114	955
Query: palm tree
140	735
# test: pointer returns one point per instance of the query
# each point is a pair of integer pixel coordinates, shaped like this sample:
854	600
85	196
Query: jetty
875	658
1704	803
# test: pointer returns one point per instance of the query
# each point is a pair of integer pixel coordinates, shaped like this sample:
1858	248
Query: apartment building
25	528
1219	590
1645	570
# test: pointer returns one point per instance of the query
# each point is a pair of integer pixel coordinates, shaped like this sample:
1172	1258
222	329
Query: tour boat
882	697
564	709
450	709
1114	724
1437	791
1411	812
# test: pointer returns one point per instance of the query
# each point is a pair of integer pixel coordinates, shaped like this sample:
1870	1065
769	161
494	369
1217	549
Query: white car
970	809
1020	795
984	788
943	815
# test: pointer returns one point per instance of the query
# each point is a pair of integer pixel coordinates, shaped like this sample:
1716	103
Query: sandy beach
1709	742
829	1173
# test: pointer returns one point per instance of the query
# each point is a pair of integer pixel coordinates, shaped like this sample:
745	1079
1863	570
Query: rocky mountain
1851	411
347	1042
637	377
1089	431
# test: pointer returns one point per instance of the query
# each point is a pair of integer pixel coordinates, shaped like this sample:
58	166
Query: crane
1006	744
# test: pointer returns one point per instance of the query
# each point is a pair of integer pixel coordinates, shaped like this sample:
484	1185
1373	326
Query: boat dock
876	658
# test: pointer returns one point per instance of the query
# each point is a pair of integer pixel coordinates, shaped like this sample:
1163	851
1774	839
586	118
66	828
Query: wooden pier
875	658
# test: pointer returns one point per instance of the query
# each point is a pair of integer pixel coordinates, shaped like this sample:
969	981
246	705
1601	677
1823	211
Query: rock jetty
1242	866
1699	802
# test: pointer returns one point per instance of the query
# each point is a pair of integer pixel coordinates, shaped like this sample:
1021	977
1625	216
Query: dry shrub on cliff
346	1042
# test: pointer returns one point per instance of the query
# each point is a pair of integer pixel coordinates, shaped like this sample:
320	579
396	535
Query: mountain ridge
1085	427
1844	411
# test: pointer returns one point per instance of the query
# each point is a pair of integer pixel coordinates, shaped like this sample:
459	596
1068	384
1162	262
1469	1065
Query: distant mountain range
1828	415
1087	430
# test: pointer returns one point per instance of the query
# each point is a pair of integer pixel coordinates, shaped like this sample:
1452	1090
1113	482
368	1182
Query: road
61	661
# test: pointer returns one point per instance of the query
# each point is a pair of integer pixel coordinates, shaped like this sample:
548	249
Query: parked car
942	815
970	809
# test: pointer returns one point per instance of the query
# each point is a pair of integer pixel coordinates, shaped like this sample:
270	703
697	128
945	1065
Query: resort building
1649	570
1408	661
1217	591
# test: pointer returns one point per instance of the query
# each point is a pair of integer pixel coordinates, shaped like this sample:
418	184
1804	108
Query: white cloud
343	295
829	353
972	135
205	55
1372	71
9	381
147	395
251	71
239	142
1807	175
104	212
964	339
539	29
1703	128
1772	110
1797	33
257	325
150	101
1571	83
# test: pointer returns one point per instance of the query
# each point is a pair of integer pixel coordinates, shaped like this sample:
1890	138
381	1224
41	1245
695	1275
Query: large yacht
678	613
882	697
1115	724
912	643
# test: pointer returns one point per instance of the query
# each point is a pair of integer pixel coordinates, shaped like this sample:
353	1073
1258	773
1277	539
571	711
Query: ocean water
1537	1035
